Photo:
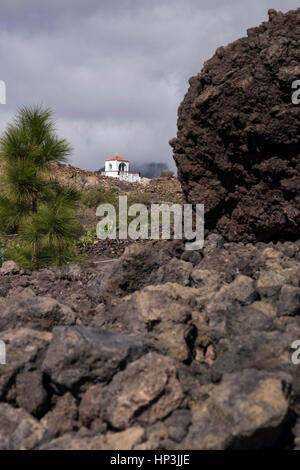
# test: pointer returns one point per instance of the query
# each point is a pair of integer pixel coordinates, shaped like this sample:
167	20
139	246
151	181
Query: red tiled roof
120	159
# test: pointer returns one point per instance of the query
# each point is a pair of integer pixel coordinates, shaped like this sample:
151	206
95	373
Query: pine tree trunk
34	204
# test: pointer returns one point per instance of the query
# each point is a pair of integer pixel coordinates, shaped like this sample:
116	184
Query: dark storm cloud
115	71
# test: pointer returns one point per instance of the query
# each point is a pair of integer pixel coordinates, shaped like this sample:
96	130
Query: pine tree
40	209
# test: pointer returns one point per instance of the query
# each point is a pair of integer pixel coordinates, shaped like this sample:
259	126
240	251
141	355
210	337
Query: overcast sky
115	71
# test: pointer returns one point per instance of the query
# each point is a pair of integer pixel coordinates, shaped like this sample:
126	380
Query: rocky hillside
85	179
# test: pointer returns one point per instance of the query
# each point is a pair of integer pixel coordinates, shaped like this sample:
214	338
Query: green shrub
95	197
140	198
171	198
166	173
88	238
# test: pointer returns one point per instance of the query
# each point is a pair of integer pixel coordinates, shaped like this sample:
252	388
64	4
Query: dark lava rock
164	316
178	424
25	349
31	394
237	147
79	355
90	406
32	311
19	430
137	267
125	440
62	418
147	390
246	411
289	301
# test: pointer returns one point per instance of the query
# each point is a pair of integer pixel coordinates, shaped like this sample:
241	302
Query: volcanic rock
130	272
237	147
178	424
62	418
124	440
147	390
166	317
19	430
25	349
79	355
236	410
31	394
34	311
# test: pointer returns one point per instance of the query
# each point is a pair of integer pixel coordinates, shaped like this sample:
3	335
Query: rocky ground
158	349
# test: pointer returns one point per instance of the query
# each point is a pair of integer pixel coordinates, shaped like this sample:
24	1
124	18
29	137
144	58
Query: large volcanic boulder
238	142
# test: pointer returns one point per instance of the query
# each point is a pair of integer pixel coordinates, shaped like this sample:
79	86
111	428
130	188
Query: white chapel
118	167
